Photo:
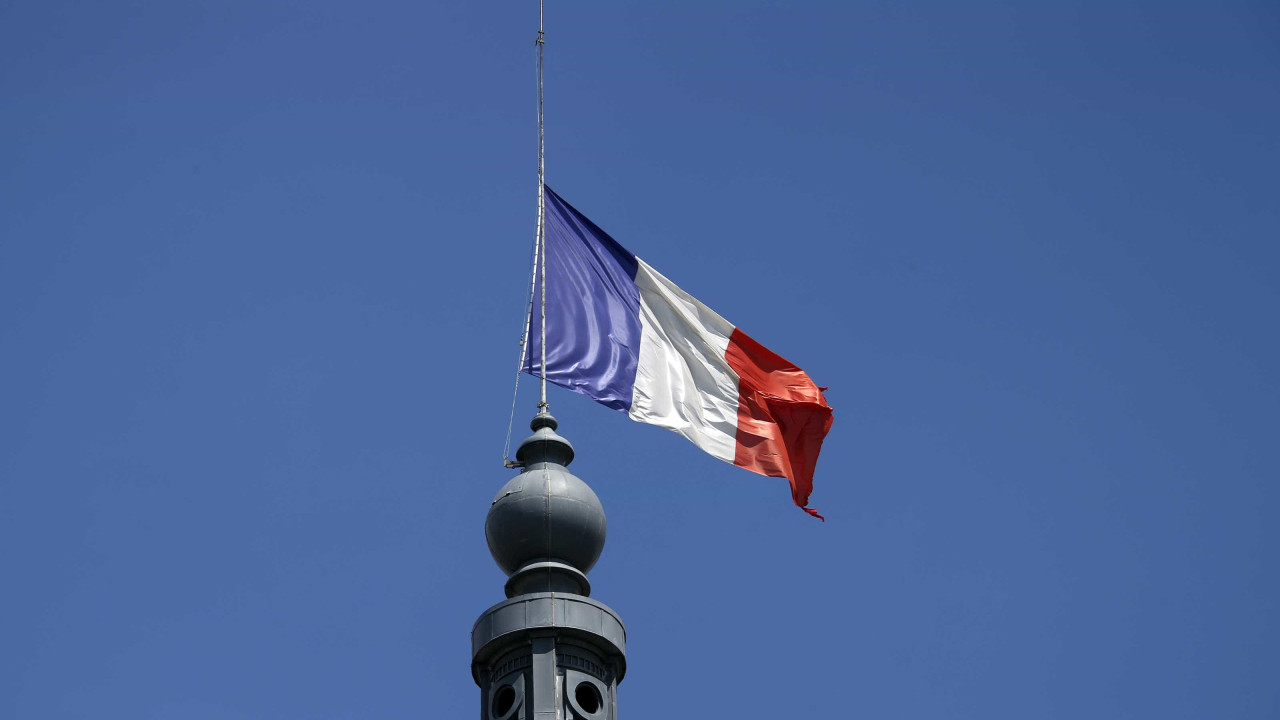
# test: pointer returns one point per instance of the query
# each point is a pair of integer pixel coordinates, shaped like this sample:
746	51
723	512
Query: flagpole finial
546	528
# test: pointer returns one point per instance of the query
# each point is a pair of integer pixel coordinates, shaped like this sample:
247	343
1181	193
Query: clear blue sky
262	268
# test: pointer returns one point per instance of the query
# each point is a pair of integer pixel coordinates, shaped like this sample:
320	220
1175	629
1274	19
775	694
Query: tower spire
548	652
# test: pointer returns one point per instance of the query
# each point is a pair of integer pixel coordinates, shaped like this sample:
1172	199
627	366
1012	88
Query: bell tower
549	651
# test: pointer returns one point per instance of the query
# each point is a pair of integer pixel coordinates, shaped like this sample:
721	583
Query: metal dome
546	515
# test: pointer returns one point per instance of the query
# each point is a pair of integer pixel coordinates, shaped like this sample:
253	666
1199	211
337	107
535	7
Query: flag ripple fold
624	335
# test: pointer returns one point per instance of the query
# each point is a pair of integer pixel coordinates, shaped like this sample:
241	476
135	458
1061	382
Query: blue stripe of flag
593	309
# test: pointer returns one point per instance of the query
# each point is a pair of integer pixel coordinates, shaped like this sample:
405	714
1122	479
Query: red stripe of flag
782	417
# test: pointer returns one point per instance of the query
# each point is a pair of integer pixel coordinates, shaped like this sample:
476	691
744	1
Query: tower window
588	697
503	700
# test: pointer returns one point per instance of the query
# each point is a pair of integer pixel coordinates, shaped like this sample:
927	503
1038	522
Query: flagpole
542	222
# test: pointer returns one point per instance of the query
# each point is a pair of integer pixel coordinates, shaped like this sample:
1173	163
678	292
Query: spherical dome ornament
545	514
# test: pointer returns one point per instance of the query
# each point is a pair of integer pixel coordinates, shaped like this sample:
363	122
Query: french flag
627	337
